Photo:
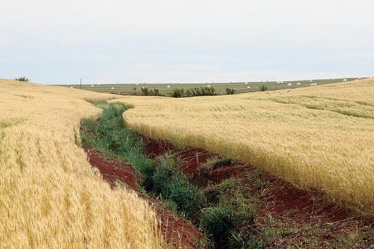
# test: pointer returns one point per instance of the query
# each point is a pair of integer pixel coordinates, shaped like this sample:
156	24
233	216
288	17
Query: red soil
176	230
282	197
300	204
191	157
112	170
286	203
154	148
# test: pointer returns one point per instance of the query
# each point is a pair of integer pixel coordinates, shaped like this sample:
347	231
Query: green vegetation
200	176
192	92
201	91
147	92
177	92
170	183
231	208
230	91
263	88
219	222
227	161
25	79
162	177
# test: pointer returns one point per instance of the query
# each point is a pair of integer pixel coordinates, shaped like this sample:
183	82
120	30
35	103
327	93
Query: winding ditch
216	202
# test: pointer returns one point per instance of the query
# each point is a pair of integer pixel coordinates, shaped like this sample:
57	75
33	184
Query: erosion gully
286	216
250	208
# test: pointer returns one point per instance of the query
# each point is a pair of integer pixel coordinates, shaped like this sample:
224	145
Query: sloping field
50	197
316	138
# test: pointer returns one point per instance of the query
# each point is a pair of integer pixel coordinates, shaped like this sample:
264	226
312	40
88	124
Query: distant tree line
25	79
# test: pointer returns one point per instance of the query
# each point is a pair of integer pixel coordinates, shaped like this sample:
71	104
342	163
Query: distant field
240	87
317	138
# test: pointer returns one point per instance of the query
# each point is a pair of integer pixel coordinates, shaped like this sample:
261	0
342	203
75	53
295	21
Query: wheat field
50	197
316	138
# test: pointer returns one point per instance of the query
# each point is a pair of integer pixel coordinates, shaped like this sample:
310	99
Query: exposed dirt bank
291	217
287	217
177	230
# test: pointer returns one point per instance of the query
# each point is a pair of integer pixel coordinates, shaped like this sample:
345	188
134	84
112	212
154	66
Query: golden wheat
50	197
316	138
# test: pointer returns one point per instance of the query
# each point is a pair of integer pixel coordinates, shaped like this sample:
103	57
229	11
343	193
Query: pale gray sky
116	41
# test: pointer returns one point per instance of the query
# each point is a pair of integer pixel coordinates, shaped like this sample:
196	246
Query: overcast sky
115	41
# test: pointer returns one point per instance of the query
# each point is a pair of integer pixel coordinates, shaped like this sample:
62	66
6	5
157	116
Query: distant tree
177	92
145	91
154	92
22	79
263	88
230	91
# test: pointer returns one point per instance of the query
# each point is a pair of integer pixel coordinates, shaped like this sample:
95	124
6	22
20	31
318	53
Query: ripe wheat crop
316	138
50	197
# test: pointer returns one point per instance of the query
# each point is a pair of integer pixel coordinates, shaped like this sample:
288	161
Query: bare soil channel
290	217
177	230
229	203
287	217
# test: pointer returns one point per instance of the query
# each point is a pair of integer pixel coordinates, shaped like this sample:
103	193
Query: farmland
316	138
233	156
167	88
49	195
